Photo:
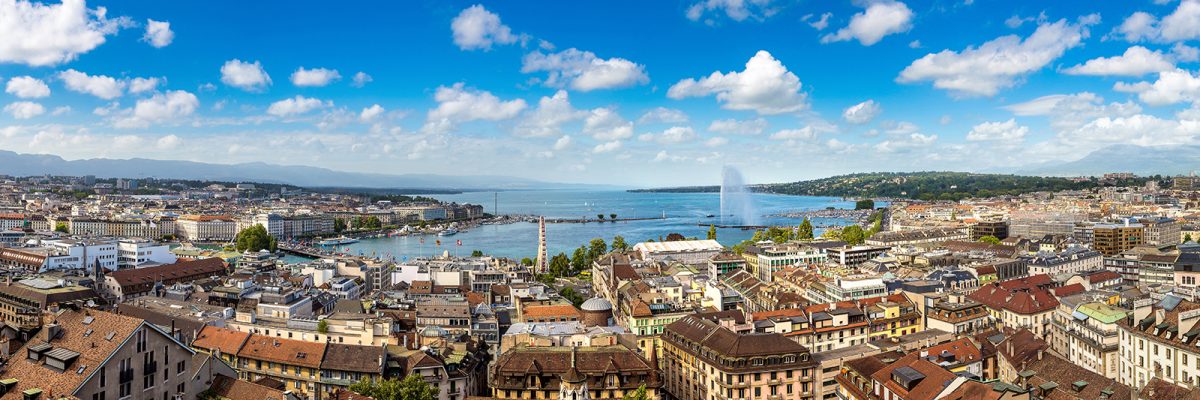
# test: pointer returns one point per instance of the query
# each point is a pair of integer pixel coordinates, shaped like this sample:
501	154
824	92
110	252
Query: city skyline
580	93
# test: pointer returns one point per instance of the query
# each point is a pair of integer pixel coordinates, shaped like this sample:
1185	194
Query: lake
683	211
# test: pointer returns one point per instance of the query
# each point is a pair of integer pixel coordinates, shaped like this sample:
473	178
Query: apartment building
565	373
1019	303
1084	330
1112	239
207	228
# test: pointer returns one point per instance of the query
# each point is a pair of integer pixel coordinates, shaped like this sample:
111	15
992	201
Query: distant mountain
34	164
1140	160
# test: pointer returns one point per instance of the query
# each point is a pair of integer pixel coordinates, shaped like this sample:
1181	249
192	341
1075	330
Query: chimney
52	331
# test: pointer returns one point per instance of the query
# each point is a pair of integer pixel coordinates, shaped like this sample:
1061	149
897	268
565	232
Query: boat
448	232
338	241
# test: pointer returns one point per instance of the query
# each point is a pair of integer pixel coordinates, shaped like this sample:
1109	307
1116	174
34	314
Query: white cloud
915	44
663	156
738	127
1136	61
716	142
361	79
862	113
583	71
27	87
765	86
158	33
162	107
244	75
457	104
60	110
562	143
1071	111
369	114
805	133
476	28
606	124
549	116
168	142
104	87
817	23
1008	132
1140	129
314	77
1185	53
913	141
879	19
37	34
1171	87
663	115
24	109
999	63
607	147
295	106
1182	24
737	10
139	85
672	135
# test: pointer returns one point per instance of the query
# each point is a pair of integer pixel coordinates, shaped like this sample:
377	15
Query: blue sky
637	93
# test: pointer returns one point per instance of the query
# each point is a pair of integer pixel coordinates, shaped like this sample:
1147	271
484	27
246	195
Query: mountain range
1140	160
18	164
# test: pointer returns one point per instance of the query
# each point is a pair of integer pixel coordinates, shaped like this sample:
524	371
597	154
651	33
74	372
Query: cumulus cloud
879	19
738	127
162	107
371	113
1071	111
1182	24
672	135
314	77
27	87
1136	61
862	113
562	143
24	109
1007	132
104	87
140	85
663	115
247	76
998	63
1171	87
296	105
903	144
158	33
476	28
549	116
607	147
168	142
607	124
583	71
716	142
37	34
458	104
361	79
805	133
765	86
737	10
1185	53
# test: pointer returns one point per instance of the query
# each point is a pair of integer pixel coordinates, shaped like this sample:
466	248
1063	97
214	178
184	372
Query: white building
143	253
216	228
685	251
83	254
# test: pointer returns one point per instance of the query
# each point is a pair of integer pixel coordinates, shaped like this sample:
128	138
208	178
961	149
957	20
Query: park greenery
255	238
412	387
989	239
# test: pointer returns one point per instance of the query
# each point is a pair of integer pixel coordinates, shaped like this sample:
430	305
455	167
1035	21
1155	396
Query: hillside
916	185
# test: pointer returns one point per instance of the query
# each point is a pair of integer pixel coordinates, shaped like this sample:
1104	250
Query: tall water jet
737	207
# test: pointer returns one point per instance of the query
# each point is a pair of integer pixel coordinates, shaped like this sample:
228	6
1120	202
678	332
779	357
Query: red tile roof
1021	296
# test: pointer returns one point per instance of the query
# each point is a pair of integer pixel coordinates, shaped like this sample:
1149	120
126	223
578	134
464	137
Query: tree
339	225
528	262
618	243
413	387
712	232
476	253
559	264
596	248
579	260
255	238
613	217
853	235
1187	238
675	237
60	227
639	394
865	204
805	231
600	216
323	326
570	294
989	239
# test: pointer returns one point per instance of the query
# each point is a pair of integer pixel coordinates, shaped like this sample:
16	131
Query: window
141	340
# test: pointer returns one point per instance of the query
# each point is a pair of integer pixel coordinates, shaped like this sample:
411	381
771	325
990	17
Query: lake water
684	211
